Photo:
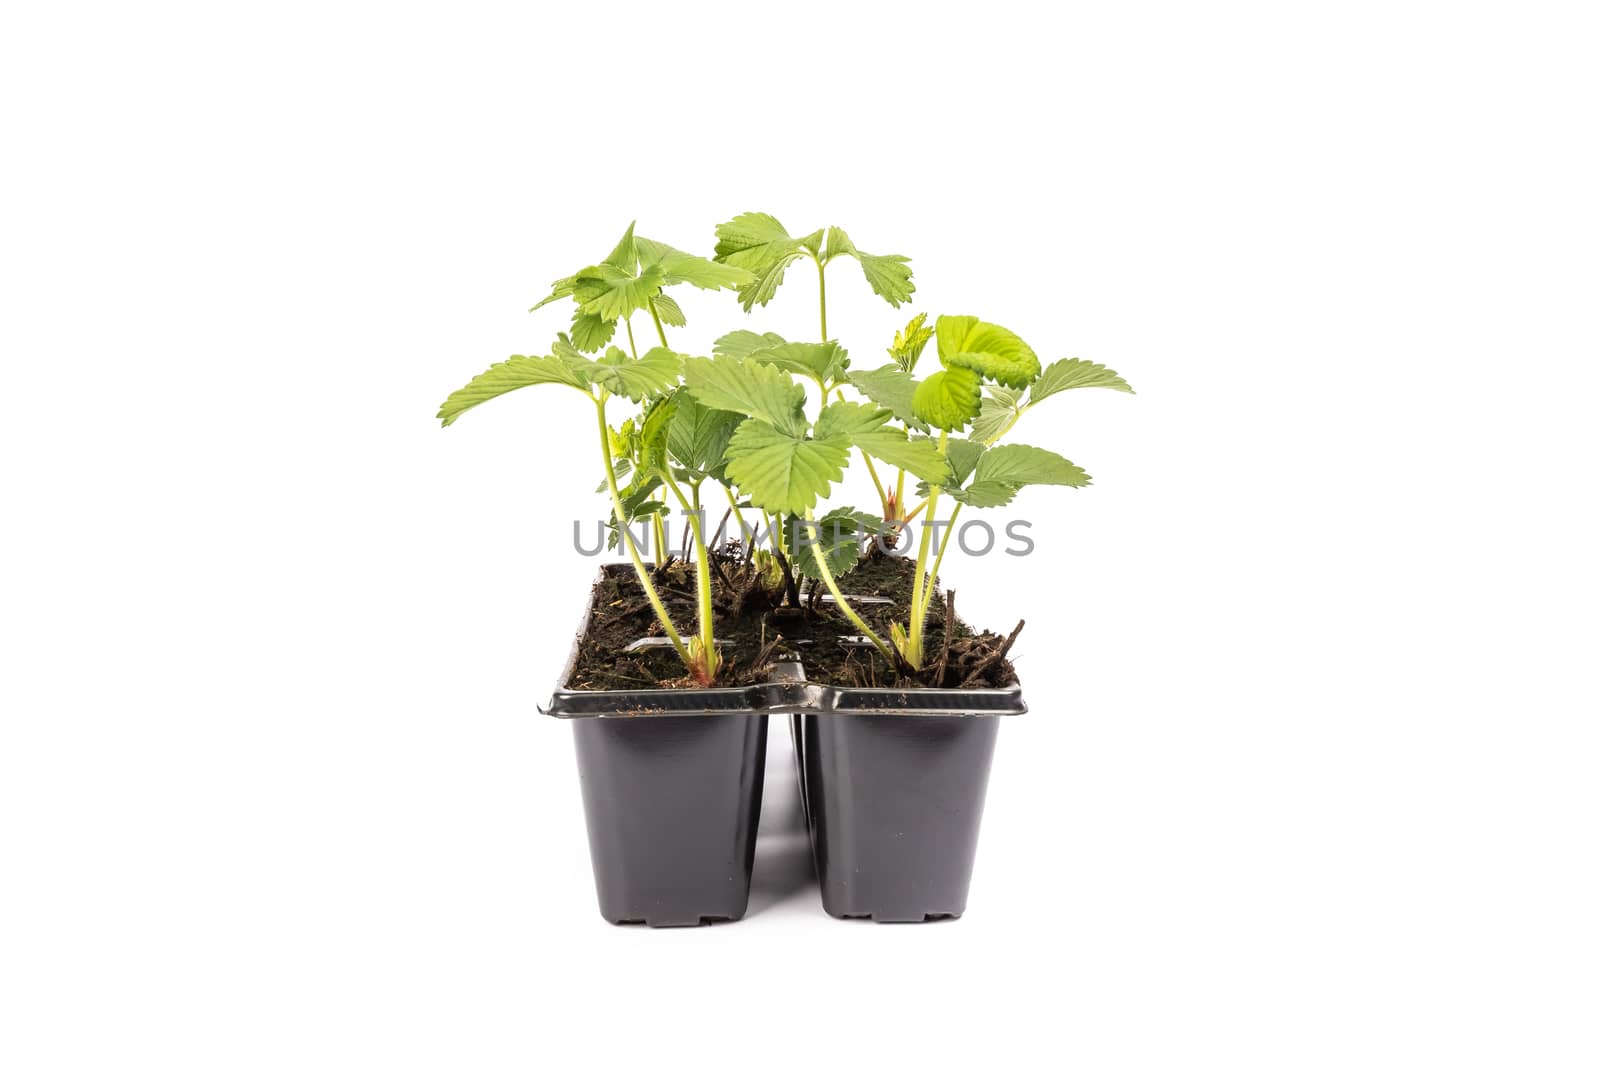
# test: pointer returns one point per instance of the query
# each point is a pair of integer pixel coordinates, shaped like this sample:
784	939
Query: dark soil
760	631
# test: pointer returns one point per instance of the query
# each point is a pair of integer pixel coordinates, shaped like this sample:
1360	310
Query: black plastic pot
671	795
672	805
892	782
894	802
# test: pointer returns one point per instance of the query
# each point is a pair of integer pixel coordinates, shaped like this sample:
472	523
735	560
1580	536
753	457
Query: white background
1310	775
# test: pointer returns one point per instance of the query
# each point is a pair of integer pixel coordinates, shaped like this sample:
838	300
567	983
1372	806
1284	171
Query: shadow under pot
893	802
672	804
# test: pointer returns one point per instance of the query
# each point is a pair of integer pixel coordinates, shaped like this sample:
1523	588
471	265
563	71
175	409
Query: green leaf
699	436
1075	374
613	293
891	387
963	456
650	449
841	533
889	276
630	279
637	504
768	278
846	418
995	414
622	439
839	244
1027	465
582	367
559	289
993	351
756	230
640	486
862	425
909	343
619	467
949	399
758	243
916	455
625	256
782	473
675	266
985	494
740	343
514	373
753	389
668	309
752	230
899	638
823	362
563	348
589	332
652	374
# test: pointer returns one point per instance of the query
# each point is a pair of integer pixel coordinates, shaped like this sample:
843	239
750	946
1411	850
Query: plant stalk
661	540
659	331
883	496
737	514
919	603
938	561
633	552
707	669
822	297
839	599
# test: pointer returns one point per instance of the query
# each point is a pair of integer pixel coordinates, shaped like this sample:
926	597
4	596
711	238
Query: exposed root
974	677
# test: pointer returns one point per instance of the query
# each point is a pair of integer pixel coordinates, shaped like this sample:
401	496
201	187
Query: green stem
822	295
938	561
839	599
627	539
631	347
702	569
733	505
882	496
659	331
919	602
661	540
899	494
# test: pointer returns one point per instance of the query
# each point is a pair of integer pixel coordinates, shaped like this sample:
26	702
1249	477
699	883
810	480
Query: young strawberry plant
760	243
627	281
975	357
